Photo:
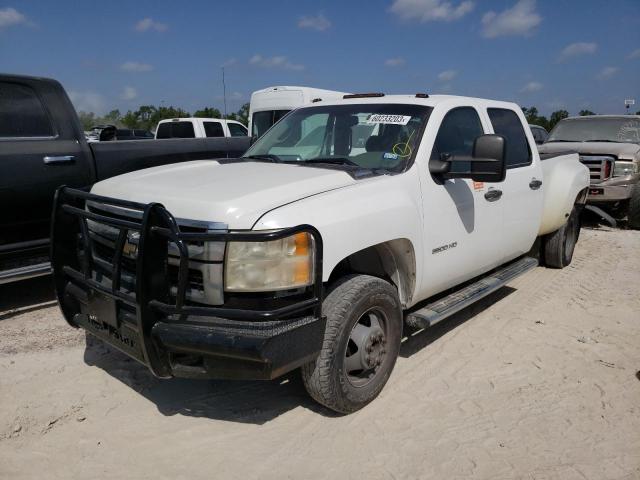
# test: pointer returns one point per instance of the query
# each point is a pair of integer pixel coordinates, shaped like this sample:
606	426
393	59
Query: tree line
531	114
147	116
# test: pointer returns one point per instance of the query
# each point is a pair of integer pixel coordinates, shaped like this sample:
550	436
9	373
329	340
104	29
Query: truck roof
188	119
620	116
423	99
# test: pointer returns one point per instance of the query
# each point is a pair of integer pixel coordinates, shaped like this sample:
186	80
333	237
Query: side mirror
486	164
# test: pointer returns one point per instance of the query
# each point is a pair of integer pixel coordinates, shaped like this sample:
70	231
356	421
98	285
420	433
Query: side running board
454	302
22	273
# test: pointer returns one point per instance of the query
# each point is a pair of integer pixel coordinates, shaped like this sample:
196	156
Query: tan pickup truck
609	145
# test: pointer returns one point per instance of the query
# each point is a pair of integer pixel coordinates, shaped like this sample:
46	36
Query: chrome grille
205	281
600	166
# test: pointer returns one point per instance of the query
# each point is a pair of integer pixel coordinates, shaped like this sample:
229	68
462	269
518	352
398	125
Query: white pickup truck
304	253
199	127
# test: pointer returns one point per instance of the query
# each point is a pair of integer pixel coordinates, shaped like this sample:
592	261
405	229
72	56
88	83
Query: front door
463	225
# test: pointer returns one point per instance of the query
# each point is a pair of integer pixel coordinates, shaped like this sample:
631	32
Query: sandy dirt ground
539	381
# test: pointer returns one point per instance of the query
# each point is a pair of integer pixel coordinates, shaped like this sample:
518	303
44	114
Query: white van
195	127
272	103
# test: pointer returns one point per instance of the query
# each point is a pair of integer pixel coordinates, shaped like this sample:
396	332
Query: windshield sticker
376	118
390	156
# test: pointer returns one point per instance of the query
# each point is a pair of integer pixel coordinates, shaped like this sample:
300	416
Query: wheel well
393	261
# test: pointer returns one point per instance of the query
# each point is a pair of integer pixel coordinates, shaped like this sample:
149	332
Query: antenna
224	93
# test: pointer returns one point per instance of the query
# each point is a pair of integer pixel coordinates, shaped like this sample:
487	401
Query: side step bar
22	273
444	307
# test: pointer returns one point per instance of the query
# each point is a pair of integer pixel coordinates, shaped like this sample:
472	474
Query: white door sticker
376	118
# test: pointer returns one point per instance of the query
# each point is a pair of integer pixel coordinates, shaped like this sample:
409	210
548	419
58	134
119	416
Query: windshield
375	136
623	130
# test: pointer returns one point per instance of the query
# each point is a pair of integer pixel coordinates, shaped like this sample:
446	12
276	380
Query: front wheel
559	245
361	344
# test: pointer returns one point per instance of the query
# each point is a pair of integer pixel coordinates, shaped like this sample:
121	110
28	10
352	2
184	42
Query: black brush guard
165	332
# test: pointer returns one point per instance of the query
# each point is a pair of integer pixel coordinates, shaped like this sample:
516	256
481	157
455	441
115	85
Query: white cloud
278	61
520	19
136	67
230	62
634	54
10	17
394	62
314	22
447	75
532	87
578	48
431	10
129	93
147	24
87	101
607	72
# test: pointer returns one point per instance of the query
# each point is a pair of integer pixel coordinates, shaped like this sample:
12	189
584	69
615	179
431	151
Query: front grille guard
151	299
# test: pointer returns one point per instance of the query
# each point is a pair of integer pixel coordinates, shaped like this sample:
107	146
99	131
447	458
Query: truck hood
623	150
236	194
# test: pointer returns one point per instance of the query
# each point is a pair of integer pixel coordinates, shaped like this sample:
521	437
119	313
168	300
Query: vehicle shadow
26	296
255	402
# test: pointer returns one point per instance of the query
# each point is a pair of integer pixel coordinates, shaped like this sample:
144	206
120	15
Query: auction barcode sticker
376	118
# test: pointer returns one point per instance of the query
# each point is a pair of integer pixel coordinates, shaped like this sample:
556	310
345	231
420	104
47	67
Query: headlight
268	266
622	169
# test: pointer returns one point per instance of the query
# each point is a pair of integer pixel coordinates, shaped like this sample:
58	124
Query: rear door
38	153
213	129
522	189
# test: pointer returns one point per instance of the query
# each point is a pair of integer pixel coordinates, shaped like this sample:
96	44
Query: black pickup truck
42	146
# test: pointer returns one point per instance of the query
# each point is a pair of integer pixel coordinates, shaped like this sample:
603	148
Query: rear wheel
633	213
559	245
361	344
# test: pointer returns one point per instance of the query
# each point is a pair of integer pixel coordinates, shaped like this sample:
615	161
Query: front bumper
615	189
161	329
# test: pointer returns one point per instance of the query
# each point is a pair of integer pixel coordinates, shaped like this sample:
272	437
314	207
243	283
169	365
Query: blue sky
570	54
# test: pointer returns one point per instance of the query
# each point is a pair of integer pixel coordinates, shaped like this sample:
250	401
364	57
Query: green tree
556	117
586	113
208	112
131	120
531	114
87	119
242	115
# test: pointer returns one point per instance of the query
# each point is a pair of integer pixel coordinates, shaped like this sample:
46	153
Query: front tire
559	245
361	344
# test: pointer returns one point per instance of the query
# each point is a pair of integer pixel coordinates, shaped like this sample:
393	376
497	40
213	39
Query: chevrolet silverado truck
609	145
309	253
42	146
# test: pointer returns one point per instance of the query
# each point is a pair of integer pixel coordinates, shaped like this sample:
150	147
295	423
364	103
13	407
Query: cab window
21	113
507	123
213	129
458	131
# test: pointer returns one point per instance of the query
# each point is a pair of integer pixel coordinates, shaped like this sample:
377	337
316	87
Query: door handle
493	195
53	160
535	184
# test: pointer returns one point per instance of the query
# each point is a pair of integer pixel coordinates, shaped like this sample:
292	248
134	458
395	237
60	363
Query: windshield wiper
571	141
333	161
602	140
264	158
